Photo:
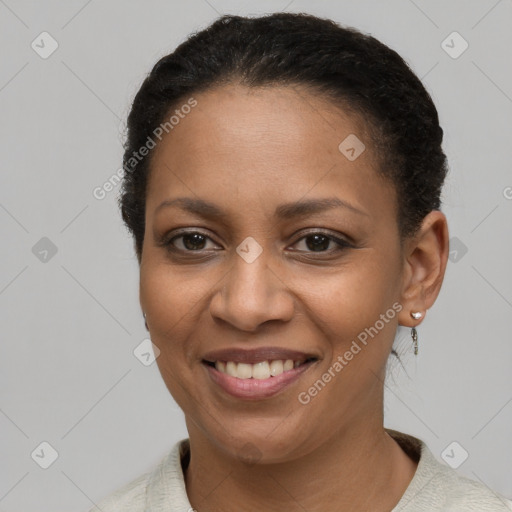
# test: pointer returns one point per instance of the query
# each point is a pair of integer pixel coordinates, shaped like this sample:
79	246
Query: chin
269	445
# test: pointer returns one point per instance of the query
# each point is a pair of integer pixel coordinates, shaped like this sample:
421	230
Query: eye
191	241
319	241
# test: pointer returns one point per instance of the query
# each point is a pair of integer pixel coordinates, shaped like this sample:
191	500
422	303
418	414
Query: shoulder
459	493
129	498
438	487
152	490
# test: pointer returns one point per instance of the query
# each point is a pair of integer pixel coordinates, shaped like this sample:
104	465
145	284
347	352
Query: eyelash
341	244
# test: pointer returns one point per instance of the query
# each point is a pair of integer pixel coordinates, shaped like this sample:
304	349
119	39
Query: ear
424	264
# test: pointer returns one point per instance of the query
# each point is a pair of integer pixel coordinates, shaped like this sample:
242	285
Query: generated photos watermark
355	348
101	191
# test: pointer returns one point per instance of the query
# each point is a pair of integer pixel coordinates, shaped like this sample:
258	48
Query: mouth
261	370
258	373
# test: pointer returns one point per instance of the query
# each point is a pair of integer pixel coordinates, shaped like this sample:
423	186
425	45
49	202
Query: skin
249	150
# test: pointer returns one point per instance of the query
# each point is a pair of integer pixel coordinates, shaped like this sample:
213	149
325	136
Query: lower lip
256	389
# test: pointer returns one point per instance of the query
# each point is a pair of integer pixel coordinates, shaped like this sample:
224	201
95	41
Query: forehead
272	143
288	119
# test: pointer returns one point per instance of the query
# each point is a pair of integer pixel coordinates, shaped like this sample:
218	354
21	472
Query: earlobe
425	264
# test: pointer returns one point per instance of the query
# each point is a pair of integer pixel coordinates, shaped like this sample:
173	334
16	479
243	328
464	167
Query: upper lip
256	355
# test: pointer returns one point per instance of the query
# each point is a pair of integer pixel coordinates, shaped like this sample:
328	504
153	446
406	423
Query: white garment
435	487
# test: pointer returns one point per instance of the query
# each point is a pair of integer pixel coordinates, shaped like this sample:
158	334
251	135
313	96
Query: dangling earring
414	334
145	321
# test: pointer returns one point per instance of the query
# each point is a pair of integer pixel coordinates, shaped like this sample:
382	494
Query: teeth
261	370
276	368
230	368
288	365
244	371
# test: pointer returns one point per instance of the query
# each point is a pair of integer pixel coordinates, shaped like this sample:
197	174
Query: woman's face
255	278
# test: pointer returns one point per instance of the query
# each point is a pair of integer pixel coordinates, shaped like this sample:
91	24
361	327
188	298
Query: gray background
71	320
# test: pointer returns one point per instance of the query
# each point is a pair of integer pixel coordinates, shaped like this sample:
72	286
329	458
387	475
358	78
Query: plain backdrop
70	314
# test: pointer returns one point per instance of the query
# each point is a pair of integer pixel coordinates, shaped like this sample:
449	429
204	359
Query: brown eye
192	241
322	242
317	242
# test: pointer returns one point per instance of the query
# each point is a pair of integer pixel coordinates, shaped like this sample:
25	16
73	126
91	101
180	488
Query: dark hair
353	70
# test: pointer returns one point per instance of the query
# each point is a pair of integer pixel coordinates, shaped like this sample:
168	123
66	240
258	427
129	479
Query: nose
252	294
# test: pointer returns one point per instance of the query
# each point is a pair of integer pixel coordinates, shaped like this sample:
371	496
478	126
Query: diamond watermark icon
146	352
250	453
458	249
44	250
44	455
454	455
454	45
44	45
249	249
351	147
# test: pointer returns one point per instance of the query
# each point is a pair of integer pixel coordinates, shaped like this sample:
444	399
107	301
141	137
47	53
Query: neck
358	469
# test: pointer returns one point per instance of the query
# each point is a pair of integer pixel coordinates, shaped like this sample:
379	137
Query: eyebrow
284	211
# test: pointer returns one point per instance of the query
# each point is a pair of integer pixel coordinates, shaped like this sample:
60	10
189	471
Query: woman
282	184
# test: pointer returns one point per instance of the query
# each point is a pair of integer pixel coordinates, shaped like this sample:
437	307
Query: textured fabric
435	487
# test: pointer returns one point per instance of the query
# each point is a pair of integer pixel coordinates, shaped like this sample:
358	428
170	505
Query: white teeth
244	371
276	368
288	365
261	370
231	368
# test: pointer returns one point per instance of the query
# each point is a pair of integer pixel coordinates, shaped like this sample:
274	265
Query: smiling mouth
260	370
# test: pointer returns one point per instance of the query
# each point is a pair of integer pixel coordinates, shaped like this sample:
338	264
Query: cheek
357	312
170	292
356	296
172	303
